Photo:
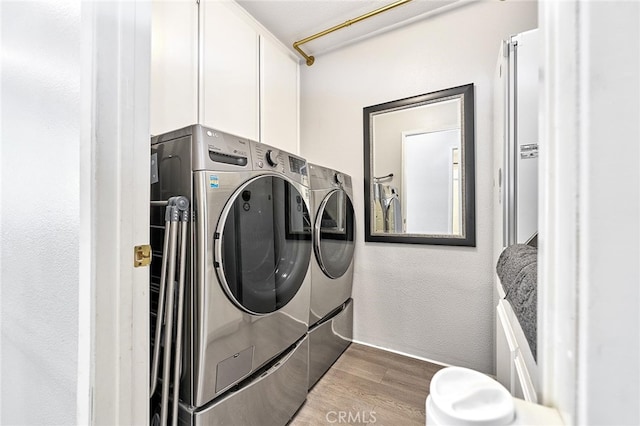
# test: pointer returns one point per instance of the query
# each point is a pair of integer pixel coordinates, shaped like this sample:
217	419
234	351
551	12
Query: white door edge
113	378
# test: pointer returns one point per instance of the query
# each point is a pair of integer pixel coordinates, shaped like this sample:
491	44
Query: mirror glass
419	169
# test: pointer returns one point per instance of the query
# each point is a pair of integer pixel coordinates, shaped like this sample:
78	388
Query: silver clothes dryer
247	310
331	309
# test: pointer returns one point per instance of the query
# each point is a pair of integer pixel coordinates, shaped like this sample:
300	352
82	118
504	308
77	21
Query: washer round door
334	239
263	244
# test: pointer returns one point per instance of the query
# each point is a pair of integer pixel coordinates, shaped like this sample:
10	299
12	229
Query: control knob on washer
272	157
339	178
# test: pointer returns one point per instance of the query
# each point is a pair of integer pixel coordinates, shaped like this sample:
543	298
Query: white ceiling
293	20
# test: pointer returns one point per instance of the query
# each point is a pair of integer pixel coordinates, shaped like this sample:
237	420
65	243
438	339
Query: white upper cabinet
278	97
229	84
215	65
174	65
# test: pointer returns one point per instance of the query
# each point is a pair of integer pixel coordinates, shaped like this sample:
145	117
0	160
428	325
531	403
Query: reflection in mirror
419	171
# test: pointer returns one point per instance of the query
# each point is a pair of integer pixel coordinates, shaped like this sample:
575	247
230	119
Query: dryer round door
334	234
263	244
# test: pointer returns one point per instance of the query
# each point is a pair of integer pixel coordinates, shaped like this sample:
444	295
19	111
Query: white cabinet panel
515	367
174	65
524	379
213	64
230	73
506	347
279	97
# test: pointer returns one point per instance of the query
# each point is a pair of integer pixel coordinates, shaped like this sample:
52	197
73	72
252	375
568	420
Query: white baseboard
402	353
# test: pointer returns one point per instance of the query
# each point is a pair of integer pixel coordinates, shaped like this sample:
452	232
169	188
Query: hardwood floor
369	386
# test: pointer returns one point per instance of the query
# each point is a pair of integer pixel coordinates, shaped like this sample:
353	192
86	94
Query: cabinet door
229	82
506	347
174	65
279	97
524	388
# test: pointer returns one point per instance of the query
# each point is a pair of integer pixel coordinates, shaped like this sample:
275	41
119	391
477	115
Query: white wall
40	211
427	301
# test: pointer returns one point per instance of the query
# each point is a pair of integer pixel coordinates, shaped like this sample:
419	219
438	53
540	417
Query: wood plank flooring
369	386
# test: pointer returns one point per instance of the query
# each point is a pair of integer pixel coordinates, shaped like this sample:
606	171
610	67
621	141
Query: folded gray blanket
518	271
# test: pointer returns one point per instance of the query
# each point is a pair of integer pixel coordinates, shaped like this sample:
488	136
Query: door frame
113	335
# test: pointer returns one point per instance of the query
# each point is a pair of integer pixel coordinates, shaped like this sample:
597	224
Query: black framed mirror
419	166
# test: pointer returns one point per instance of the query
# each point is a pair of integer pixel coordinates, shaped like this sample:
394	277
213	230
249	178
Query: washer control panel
269	158
325	178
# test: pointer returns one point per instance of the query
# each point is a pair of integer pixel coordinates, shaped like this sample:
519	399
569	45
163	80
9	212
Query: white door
428	177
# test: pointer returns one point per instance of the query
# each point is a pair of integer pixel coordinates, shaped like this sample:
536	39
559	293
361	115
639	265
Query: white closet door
174	65
229	80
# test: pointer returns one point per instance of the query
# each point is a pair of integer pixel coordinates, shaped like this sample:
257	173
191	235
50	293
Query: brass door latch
142	255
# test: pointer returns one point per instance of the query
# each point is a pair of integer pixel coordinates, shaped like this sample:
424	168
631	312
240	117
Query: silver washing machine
248	288
331	310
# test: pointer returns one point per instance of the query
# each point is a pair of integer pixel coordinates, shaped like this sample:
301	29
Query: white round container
463	397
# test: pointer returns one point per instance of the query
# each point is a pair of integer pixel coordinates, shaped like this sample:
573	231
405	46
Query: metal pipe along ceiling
310	59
